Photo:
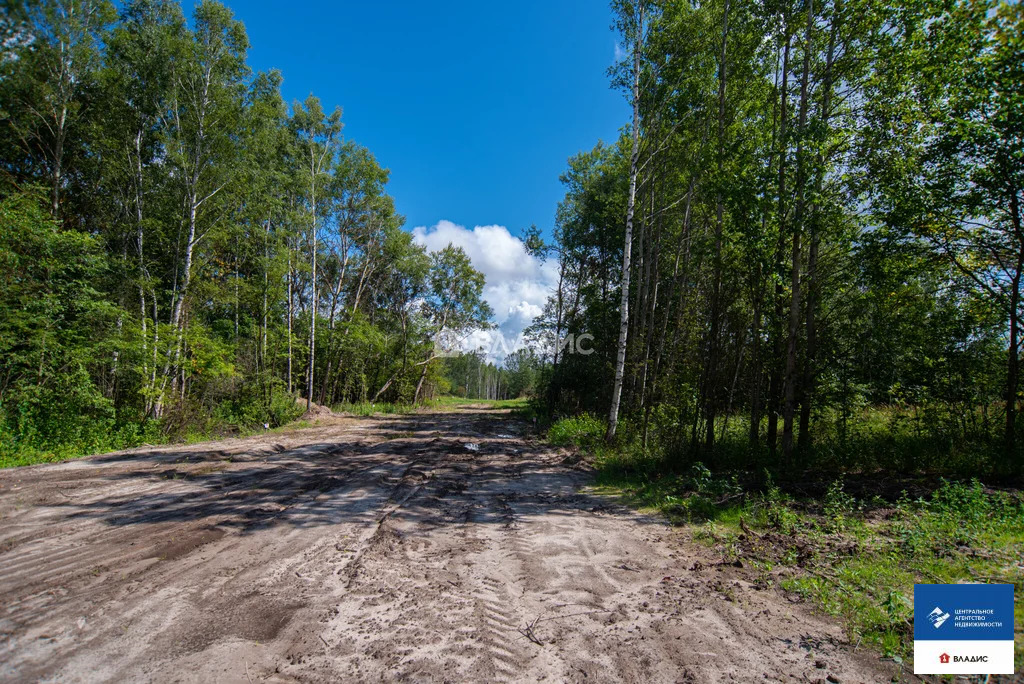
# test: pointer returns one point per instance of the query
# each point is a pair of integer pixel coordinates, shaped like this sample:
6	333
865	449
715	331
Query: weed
584	431
838	505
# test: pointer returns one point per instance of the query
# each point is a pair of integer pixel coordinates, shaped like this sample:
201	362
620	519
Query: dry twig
527	631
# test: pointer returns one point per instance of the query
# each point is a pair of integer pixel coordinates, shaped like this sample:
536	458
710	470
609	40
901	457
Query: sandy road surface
375	548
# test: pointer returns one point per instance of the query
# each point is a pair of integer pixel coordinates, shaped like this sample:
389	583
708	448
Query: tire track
340	555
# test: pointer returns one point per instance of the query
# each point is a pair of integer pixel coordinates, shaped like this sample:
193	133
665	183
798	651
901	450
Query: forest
805	249
785	314
182	250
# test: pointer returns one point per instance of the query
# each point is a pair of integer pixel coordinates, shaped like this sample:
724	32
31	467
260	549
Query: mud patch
185	543
252	617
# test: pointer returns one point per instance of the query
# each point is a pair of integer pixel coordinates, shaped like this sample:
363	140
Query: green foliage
366	408
857	560
837	506
583	431
826	265
183	252
51	335
252	407
962	532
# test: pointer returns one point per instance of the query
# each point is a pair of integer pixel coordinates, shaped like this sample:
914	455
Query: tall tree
206	101
631	17
318	136
55	76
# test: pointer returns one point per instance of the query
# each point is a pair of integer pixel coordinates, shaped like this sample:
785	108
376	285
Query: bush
695	508
254	405
838	506
585	432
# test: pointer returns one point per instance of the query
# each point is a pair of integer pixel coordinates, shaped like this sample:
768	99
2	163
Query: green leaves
52	331
455	299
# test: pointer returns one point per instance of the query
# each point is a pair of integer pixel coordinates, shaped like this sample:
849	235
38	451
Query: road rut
426	547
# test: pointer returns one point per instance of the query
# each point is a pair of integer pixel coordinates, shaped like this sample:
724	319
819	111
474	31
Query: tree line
805	248
473	376
180	247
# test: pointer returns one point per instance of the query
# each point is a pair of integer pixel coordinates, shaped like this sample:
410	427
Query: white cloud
517	283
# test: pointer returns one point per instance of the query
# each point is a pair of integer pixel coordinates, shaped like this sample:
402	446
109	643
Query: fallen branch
527	631
747	531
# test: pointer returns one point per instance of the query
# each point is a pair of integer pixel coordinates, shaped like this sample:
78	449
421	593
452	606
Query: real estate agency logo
946	659
938	617
963	629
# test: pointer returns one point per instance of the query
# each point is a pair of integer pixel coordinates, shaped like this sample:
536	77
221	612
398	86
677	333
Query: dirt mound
315	410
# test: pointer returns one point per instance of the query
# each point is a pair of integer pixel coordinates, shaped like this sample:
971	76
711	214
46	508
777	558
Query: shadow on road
438	468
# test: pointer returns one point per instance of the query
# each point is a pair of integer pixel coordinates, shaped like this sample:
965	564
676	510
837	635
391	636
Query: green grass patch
386	408
498	404
186	424
862	563
856	559
367	408
16	452
583	431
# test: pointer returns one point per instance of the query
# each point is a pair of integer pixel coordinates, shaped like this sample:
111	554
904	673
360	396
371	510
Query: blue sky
474	106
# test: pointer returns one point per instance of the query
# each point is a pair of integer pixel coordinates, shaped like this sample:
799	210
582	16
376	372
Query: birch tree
631	17
317	141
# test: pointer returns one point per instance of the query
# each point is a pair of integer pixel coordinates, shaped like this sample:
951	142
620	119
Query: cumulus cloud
517	283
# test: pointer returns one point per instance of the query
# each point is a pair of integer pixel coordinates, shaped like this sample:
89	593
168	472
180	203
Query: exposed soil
427	547
315	410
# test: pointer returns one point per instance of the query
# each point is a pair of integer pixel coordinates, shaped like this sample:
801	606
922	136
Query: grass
231	419
855	559
387	408
867	557
498	404
15	453
19	452
367	408
891	438
153	436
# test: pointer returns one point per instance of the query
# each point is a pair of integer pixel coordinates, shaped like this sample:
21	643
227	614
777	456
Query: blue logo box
963	612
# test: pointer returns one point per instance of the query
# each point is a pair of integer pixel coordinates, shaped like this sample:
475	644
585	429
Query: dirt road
429	547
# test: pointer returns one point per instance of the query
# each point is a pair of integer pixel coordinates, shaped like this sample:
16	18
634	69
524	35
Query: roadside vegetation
853	545
801	264
231	420
183	253
442	402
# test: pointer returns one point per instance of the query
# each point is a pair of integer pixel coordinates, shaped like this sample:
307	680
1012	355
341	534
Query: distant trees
815	209
178	242
471	375
453	300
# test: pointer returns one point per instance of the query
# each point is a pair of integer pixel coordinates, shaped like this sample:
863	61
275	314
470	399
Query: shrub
695	508
584	431
838	506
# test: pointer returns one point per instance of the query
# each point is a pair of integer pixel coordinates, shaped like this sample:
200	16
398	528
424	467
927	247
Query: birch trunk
634	158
